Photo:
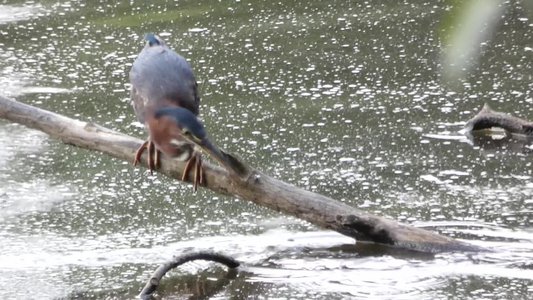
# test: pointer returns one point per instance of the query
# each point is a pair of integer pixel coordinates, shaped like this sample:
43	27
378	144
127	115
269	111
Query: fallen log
487	118
258	187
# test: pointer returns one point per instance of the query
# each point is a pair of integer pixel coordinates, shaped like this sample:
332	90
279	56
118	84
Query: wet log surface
257	187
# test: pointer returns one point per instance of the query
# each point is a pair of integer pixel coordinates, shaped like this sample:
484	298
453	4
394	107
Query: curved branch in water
258	187
155	279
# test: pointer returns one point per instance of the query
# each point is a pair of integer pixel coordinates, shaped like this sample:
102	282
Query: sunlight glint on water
341	98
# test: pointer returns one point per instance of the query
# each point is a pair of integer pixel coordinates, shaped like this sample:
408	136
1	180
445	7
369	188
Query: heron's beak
227	160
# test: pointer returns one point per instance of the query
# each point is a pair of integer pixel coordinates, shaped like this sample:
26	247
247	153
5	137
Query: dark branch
487	118
155	279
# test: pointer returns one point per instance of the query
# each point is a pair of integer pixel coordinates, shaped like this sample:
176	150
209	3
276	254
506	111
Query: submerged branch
259	188
155	279
487	118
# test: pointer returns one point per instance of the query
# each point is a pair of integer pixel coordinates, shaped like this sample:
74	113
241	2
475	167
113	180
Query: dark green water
344	98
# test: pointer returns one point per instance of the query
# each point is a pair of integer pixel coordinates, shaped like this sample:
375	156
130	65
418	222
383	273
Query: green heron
165	98
177	132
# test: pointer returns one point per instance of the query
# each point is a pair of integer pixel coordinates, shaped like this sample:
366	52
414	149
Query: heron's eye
190	135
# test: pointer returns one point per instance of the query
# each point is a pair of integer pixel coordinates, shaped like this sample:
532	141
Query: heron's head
184	123
153	40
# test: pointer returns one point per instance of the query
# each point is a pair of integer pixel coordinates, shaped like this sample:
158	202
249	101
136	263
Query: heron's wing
161	78
139	104
182	86
196	94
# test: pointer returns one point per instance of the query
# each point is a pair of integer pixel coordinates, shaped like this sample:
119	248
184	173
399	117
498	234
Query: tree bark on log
259	188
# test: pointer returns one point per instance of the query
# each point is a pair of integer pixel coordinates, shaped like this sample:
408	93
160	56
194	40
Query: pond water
344	98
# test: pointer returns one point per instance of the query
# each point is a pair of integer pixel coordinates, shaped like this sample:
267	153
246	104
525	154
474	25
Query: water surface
344	98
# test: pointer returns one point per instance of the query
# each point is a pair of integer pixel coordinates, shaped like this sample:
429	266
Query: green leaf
469	25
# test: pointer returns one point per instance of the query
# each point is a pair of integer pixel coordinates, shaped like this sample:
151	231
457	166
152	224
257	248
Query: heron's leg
157	159
195	179
200	168
198	177
139	153
153	155
187	168
199	173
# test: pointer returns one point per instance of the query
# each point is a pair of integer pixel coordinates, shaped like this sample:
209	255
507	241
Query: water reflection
313	263
492	142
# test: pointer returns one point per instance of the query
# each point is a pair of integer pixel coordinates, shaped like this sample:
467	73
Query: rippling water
344	98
